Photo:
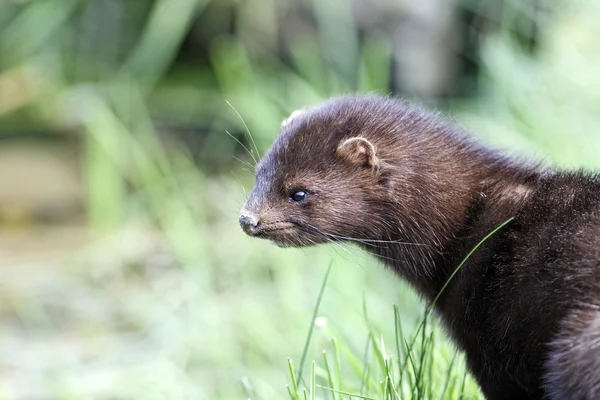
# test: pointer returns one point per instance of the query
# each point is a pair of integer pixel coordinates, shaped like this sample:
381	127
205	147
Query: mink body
419	193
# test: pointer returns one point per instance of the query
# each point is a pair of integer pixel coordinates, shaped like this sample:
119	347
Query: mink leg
573	366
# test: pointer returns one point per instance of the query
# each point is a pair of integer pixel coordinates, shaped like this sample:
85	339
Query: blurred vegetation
130	277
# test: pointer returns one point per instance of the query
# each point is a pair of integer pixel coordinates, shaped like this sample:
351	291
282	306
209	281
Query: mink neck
461	206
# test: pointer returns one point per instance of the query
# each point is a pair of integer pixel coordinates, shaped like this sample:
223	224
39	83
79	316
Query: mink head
338	171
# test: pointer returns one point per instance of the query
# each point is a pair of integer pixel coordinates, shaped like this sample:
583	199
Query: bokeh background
123	273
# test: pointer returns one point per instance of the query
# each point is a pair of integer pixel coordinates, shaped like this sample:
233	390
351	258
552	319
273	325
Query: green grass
416	369
166	297
419	365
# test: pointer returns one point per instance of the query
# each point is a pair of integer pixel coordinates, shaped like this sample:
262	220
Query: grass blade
312	322
399	335
358	396
365	366
294	382
429	309
338	364
329	376
312	382
448	376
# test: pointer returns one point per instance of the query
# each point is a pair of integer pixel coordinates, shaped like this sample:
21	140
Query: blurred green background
123	272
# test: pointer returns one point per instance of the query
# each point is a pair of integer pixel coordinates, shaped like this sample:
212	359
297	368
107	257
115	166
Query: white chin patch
292	117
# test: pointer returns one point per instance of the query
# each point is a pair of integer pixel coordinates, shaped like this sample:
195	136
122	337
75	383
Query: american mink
419	193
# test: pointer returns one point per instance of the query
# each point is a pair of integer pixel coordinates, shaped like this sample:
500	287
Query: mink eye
298	196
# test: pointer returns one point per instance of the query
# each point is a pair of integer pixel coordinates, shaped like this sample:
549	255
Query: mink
419	193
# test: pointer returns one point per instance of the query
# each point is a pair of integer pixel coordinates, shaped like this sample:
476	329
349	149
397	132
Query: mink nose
249	223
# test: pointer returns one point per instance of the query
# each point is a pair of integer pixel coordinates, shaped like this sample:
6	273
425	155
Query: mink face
319	182
419	194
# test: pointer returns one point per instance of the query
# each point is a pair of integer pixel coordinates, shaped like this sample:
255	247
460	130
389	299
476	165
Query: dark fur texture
419	194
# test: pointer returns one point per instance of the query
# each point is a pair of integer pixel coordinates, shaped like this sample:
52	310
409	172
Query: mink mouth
286	234
275	230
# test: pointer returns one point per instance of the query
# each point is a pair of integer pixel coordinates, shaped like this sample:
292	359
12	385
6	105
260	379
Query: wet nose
249	223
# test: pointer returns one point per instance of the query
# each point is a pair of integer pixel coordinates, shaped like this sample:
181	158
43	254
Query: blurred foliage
164	297
546	106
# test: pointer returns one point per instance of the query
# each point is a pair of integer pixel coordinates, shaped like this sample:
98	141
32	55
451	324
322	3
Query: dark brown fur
419	194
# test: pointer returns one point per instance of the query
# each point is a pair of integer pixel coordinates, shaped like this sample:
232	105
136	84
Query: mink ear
359	151
292	117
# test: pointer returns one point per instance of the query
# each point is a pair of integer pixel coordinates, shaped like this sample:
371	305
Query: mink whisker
367	242
243	145
244	193
246	163
247	130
